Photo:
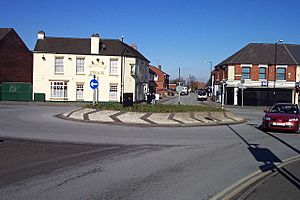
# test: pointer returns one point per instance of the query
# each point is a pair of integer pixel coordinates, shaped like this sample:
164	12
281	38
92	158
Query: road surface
146	163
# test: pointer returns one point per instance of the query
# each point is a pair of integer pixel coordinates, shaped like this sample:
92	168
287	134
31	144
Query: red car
282	117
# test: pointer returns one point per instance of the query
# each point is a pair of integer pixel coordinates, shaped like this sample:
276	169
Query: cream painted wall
297	73
43	73
230	72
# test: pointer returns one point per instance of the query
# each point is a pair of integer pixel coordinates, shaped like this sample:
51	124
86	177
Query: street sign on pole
242	88
94	85
179	89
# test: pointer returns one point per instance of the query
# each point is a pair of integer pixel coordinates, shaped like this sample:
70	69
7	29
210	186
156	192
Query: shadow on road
275	137
269	159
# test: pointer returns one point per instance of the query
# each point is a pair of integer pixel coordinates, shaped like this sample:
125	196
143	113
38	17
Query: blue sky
173	33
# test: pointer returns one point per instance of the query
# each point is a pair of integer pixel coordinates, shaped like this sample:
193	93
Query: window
113	69
280	75
133	70
79	65
79	91
262	73
59	89
113	92
245	72
59	65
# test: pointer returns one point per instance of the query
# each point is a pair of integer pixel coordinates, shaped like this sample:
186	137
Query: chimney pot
41	35
95	35
159	67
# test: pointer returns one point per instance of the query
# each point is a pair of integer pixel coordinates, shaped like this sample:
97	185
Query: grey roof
294	49
261	53
4	31
82	46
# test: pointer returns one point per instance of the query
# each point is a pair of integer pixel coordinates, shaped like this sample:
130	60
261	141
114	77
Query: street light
210	76
122	54
275	74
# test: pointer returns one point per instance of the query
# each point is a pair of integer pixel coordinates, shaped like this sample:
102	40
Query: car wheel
263	127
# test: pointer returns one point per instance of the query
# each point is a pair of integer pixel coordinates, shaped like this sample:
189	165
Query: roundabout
173	119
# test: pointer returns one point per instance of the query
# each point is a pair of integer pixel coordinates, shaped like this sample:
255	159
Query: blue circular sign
94	84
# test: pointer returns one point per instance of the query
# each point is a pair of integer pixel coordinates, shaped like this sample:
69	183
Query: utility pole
179	86
121	88
275	73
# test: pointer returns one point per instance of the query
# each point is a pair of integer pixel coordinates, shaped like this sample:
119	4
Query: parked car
282	117
184	91
202	95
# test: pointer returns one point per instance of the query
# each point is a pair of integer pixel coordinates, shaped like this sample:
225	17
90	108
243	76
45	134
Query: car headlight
267	118
293	120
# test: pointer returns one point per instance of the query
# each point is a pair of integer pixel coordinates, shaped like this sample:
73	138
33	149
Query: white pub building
63	68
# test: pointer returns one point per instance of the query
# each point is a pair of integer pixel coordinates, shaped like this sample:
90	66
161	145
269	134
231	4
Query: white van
184	91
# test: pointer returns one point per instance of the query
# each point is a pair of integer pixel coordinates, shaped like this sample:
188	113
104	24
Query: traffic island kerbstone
102	116
162	119
132	117
153	119
79	114
185	118
204	118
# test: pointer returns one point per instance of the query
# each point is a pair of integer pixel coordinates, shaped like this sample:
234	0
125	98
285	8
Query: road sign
264	83
178	88
94	84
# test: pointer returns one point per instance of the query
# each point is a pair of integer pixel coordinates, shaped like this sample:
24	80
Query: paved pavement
152	119
272	181
281	183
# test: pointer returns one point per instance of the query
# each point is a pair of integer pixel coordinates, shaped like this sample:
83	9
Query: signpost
94	85
179	89
224	84
242	87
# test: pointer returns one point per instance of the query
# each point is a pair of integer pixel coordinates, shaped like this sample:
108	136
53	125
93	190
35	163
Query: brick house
15	58
160	78
264	77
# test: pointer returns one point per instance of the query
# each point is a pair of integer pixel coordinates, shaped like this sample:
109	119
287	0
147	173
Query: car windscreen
290	109
202	93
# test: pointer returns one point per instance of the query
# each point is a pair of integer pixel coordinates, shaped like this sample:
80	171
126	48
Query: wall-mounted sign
264	83
97	68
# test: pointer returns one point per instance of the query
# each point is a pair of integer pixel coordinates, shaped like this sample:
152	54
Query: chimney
41	35
134	46
159	67
95	41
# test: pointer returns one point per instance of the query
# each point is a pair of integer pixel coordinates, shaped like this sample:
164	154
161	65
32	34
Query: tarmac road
146	163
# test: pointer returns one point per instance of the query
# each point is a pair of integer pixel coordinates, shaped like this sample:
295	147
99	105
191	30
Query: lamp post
210	71
179	84
122	54
268	78
275	74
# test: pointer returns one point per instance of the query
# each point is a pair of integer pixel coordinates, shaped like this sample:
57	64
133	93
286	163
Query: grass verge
158	108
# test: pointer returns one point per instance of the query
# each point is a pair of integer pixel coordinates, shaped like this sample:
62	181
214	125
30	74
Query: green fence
16	91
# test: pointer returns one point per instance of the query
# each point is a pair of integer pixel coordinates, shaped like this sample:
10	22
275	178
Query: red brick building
267	73
15	58
159	80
